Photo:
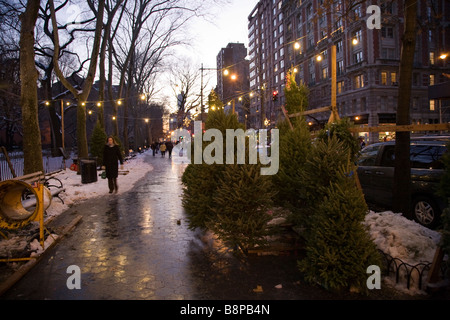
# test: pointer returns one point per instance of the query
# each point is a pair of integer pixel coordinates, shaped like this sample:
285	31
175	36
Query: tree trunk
32	147
402	175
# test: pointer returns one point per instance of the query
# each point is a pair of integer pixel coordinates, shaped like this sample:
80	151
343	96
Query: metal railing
51	164
403	270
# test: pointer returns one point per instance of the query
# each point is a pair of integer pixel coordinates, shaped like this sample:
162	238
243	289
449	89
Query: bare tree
112	7
80	95
185	81
69	60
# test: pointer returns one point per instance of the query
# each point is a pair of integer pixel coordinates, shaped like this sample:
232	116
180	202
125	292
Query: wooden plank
307	112
287	117
403	128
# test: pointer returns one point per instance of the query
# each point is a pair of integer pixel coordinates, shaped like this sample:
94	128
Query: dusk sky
230	25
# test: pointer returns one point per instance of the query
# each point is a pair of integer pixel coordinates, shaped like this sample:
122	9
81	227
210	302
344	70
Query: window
431	79
432	102
358	36
358	57
427	157
340	87
387	32
431	57
369	156
359	81
394	78
324	73
383	78
340	67
388	53
339	47
363	105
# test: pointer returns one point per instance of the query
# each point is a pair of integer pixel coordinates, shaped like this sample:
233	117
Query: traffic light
275	96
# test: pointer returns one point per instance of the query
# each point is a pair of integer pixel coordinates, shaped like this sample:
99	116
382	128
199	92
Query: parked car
376	175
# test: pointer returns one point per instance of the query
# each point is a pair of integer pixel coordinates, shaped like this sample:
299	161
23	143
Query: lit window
383	78
431	105
359	81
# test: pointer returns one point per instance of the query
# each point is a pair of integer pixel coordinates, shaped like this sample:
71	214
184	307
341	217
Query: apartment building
287	35
233	78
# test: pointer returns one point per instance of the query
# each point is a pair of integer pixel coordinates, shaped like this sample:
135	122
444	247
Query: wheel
425	211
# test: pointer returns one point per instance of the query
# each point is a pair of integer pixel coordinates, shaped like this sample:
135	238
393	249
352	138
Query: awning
439	91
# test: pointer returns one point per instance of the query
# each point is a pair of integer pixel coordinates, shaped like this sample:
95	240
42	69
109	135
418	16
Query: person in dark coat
169	146
153	146
111	157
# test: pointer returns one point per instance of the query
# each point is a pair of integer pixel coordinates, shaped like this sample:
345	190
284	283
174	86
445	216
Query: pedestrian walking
163	149
153	146
111	157
169	146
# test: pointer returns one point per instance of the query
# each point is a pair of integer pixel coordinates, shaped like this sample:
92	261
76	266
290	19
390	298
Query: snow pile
77	191
402	238
36	247
408	242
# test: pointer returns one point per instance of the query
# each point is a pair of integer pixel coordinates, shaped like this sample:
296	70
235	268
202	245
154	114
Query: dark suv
376	175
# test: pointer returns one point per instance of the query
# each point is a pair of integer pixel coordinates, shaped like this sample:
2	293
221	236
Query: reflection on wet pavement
137	245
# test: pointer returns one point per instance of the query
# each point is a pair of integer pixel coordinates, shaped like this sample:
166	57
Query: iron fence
50	163
405	271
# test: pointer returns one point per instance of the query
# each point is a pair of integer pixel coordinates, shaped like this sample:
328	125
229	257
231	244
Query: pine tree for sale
338	247
200	181
243	199
295	145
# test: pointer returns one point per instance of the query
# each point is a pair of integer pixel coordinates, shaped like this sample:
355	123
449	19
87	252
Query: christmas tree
200	181
97	142
338	247
295	145
242	201
232	200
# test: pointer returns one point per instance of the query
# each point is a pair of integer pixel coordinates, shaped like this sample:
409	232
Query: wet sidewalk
137	245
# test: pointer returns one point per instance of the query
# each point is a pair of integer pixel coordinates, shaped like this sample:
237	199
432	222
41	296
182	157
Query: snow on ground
407	241
77	191
402	238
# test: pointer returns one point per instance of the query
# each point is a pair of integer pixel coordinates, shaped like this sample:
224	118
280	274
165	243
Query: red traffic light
275	95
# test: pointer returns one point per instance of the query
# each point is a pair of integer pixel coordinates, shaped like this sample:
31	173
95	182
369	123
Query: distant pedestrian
111	157
153	146
163	149
169	146
362	143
